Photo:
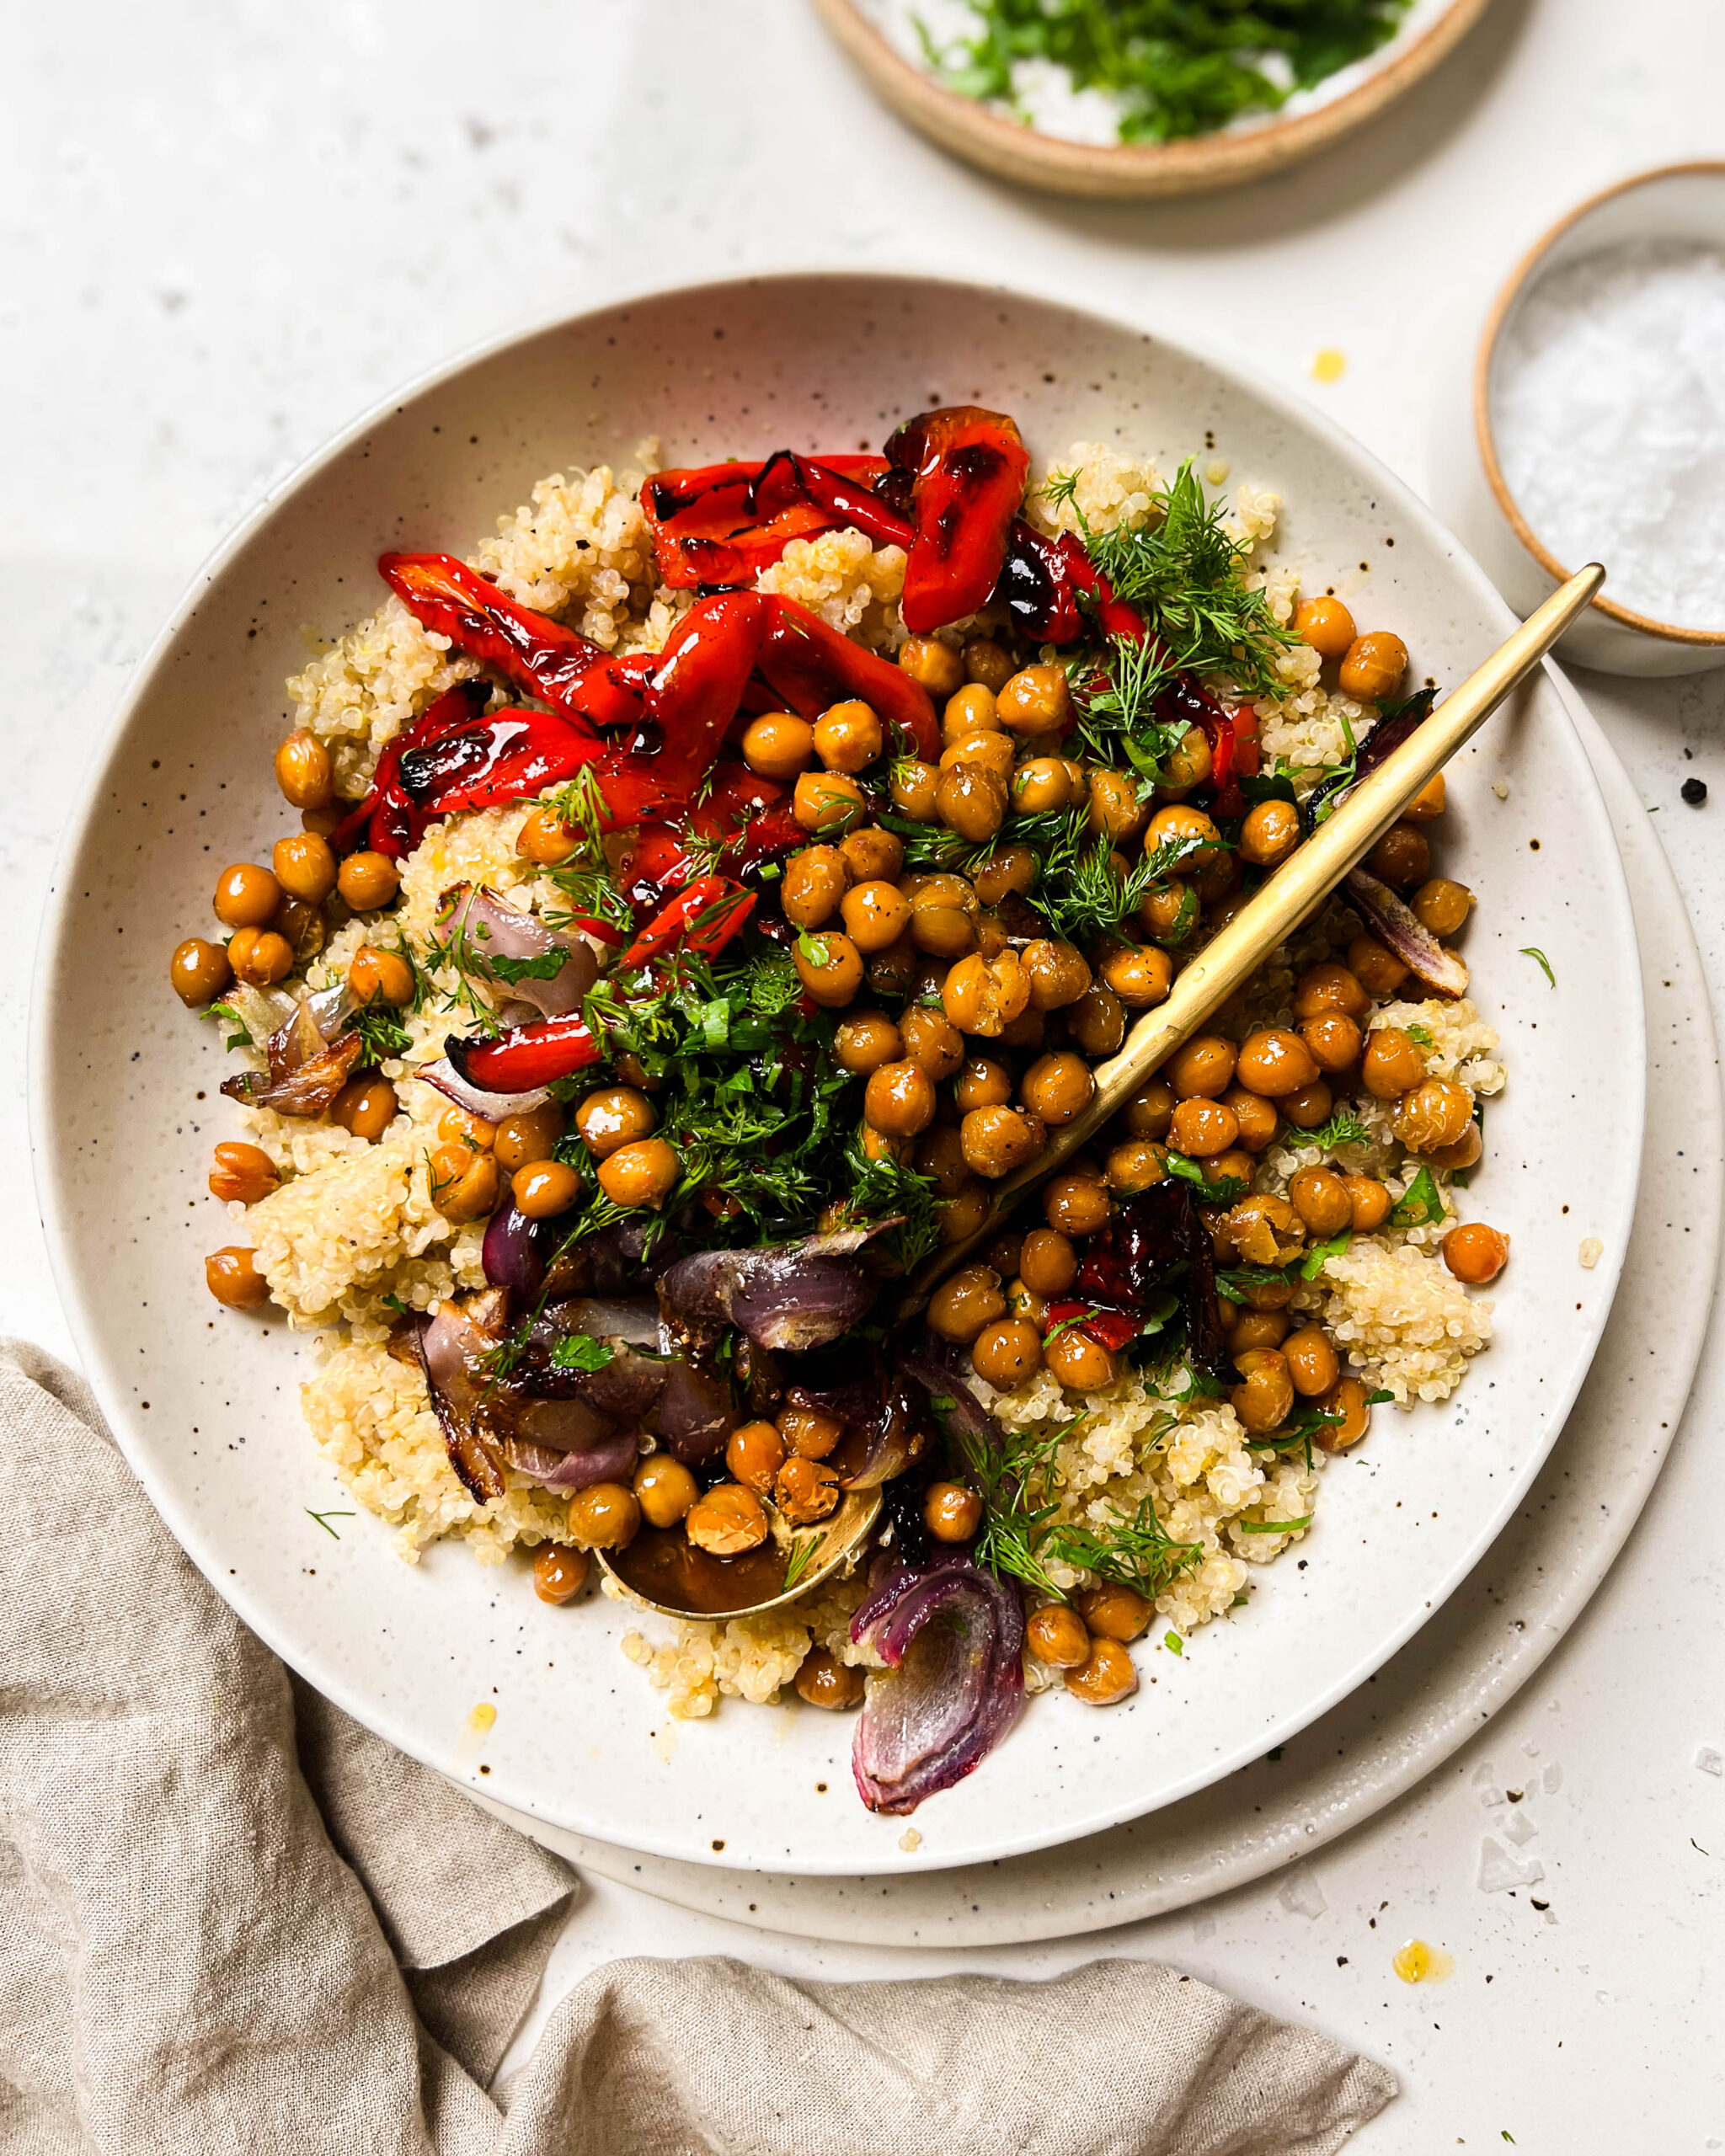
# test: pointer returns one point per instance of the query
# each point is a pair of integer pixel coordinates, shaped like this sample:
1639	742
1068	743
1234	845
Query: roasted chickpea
1475	1253
1265	1230
664	1490
936	666
1134	1165
1007	1352
808	1432
1313	1366
1377	969
1169	911
259	957
1264	1399
972	801
755	1454
376	975
995	753
1139	974
865	1040
1203	1067
821	1680
951	1512
1323	989
1010	871
1428	802
302	927
1319	1197
1373	666
1190	825
983	1083
559	1572
806	1491
1402	857
1463	1154
1058	1088
875	915
827	802
1048	1263
984	995
1349	1398
872	855
464	1183
1274	1063
878	1147
1115	809
913	786
830	967
1150	1109
1115	1613
778	744
367	881
613	1116
456	1127
1106	1677
1252	1330
727	1521
1391	1064
1057	974
1188	764
1332	1040
1200	1128
643	1173
366	1107
1023	1302
246	895
1078	1361
1309	1108
899	1099
997	1140
942	931
932	1039
1326	625
1057	1636
1442	905
970	711
848	737
546	839
242	1173
199	971
1235	1166
1270	833
1215	877
1076	1203
1096	1022
1040	784
1035	700
1434	1114
533	1136
303	770
304	867
961	1215
814	881
1369	1203
1258	1118
324	822
965	1302
543	1190
987	662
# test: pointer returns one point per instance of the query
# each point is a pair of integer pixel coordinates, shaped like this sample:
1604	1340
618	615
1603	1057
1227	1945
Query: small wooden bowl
1130	172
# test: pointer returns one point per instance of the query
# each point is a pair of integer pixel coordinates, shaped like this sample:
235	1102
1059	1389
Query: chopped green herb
1173	1643
1344	1128
802	1550
1313	1262
226	1011
1420	1205
1420	1033
1238	1281
577	1351
382	1036
1533	951
1274	1526
1223	1191
324	1518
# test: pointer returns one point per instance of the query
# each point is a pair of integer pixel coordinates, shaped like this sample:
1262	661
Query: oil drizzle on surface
1416	1963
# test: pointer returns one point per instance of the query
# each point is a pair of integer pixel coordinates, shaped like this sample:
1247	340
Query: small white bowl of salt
1598	414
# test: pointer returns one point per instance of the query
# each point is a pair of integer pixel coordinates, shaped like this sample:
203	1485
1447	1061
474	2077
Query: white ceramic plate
125	1109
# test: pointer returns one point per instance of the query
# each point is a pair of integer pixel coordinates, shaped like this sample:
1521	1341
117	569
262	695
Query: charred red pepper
1110	1329
387	820
525	1057
813	667
723	524
1043	580
697	687
960	473
539	655
504	758
702	917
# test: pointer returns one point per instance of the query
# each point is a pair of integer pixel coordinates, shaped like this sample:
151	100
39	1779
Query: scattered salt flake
1519	1829
1592	1251
1500	787
1709	1761
910	1841
1301	1895
1499	1870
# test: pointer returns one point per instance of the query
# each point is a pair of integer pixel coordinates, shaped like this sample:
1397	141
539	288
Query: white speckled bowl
123	1105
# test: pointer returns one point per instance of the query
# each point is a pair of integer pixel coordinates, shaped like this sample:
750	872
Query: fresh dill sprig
1344	1128
382	1036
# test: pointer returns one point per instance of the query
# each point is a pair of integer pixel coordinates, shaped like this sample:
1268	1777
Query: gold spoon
1286	898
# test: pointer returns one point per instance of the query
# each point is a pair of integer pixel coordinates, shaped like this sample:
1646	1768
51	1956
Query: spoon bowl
662	1568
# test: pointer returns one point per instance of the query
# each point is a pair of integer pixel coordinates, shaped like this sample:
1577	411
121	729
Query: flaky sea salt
1608	402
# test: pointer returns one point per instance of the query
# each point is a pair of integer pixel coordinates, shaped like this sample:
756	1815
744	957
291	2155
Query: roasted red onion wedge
306	1088
1407	936
789	1296
500	943
951	1638
611	1459
491	1107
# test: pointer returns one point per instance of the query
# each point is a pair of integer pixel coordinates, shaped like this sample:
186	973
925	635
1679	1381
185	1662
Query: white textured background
226	228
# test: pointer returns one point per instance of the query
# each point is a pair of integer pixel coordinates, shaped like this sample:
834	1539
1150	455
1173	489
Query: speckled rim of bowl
1514	289
1132	170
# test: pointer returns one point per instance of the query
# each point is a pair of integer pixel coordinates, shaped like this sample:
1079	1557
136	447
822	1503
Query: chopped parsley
1532	950
579	1351
1420	1205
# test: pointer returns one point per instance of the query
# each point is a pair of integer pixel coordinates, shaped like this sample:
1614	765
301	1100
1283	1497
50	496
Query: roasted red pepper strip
703	917
387	820
813	667
538	654
966	471
504	758
525	1057
695	692
723	524
1037	587
1109	1329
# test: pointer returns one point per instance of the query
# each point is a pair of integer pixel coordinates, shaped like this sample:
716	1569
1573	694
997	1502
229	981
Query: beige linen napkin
232	1920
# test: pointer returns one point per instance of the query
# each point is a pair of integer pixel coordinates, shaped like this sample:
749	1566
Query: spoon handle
1286	898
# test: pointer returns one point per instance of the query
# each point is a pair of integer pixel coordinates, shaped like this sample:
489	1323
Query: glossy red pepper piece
963	471
387	821
723	524
697	686
813	667
1110	1329
703	917
525	1057
539	655
504	758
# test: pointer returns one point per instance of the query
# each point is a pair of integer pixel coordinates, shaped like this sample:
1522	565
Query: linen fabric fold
232	1919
